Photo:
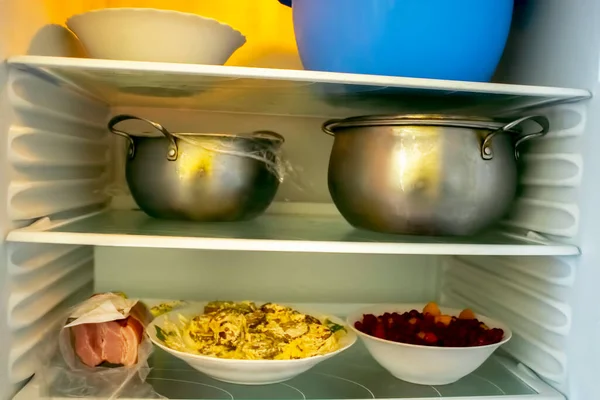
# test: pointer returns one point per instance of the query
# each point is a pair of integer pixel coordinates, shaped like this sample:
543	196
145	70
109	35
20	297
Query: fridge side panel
530	294
552	43
583	345
6	389
56	152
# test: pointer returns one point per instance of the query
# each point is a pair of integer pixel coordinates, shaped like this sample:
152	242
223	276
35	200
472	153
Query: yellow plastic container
267	25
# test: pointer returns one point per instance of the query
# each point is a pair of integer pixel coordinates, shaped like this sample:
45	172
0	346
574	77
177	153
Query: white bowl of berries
426	344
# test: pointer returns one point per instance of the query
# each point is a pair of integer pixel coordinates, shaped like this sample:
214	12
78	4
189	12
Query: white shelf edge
180	242
300	75
31	234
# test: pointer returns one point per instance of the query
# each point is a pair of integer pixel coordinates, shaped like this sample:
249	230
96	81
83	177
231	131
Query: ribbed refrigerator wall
533	295
57	150
551	173
556	42
530	294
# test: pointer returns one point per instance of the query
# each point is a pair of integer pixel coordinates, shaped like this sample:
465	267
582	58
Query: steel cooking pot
201	176
425	174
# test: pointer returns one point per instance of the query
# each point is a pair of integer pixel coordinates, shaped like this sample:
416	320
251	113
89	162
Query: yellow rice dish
245	331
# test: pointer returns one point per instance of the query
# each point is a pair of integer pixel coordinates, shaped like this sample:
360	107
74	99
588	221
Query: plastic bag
268	153
62	372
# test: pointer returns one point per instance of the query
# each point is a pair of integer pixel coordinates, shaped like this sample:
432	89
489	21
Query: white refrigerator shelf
274	231
282	91
350	375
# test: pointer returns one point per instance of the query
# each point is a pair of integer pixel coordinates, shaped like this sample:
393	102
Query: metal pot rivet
171	152
487	151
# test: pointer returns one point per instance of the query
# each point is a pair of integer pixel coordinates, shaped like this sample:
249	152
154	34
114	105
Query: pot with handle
201	176
425	174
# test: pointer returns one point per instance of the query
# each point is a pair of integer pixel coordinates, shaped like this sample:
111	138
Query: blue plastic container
440	39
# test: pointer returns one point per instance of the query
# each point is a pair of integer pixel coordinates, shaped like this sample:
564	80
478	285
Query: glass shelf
272	232
282	91
350	375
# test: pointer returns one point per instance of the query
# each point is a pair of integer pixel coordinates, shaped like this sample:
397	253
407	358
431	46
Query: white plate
247	372
425	365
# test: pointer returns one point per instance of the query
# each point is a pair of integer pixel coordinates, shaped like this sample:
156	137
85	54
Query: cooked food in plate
247	331
248	343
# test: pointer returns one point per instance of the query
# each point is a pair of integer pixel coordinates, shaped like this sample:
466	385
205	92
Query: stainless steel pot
201	176
425	174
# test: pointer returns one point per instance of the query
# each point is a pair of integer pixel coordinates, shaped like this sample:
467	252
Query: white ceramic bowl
247	372
425	365
146	34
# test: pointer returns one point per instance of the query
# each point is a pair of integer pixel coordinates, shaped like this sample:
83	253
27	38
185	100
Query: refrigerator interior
60	162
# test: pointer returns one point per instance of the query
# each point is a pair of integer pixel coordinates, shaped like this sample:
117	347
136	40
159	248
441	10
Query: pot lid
414	119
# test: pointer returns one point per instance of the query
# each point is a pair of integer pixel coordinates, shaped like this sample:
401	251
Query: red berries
430	328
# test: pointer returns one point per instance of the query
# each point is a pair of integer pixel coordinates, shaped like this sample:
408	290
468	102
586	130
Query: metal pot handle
328	126
172	151
486	147
269	135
